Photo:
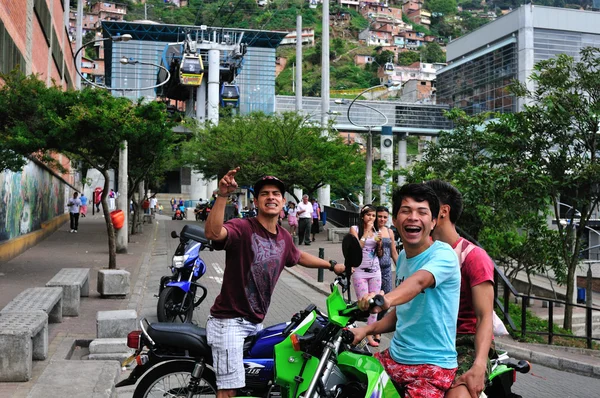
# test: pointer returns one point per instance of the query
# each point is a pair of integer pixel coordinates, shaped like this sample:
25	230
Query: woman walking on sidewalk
367	277
292	218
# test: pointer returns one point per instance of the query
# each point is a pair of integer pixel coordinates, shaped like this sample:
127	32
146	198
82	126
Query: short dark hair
448	195
418	192
382	208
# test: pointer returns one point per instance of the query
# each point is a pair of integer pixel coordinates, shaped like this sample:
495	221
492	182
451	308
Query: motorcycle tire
171	379
169	304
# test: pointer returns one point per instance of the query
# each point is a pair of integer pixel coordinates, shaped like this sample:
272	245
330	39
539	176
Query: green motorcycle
317	360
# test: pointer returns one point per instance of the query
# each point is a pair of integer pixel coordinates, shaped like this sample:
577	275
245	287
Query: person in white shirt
74	204
305	210
153	204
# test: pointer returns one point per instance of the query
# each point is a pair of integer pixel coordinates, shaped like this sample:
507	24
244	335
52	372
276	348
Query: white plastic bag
499	328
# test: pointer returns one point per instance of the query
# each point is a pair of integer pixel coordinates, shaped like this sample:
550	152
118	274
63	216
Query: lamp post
369	167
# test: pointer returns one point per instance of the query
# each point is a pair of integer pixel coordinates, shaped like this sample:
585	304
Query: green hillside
447	23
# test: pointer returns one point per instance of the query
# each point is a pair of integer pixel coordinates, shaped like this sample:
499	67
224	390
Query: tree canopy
285	145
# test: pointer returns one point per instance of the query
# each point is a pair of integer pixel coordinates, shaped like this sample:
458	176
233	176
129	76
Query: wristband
222	196
332	265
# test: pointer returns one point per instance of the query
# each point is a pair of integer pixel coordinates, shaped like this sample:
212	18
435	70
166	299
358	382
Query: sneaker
72	230
75	231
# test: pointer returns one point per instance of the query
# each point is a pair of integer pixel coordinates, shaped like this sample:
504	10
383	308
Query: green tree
286	145
26	105
557	131
406	58
441	7
432	52
503	207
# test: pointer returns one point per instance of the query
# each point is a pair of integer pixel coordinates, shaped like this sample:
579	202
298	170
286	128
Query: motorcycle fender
135	375
368	370
183	285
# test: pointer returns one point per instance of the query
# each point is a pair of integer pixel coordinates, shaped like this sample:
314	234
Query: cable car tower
205	67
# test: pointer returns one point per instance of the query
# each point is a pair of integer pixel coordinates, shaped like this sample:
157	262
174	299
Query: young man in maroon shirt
474	328
256	250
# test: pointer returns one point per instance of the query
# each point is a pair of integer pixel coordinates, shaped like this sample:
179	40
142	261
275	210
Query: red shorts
419	381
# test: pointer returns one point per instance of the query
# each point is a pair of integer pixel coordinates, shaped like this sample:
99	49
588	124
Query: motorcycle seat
185	336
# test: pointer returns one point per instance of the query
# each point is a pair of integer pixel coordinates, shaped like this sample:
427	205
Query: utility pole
79	40
298	88
324	192
122	200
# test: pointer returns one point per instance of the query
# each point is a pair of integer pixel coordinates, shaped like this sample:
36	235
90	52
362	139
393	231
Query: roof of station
176	33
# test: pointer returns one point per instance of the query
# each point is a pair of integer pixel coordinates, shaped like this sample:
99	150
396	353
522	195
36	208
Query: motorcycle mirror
352	251
174	234
352	256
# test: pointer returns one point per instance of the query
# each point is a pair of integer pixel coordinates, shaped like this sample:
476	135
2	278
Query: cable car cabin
230	95
388	69
312	4
191	70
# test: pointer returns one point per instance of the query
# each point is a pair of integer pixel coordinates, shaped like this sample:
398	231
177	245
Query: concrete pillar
213	86
525	50
122	200
324	195
387	155
401	156
201	101
198	187
78	43
298	193
298	63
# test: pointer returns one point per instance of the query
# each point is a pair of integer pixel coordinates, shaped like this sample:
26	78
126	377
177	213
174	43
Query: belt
369	270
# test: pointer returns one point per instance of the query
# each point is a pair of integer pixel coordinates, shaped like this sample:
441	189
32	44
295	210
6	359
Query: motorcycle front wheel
171	308
171	379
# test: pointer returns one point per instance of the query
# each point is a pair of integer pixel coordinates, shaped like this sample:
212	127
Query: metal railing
341	218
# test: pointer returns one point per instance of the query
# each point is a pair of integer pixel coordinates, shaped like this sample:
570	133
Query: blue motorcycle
177	296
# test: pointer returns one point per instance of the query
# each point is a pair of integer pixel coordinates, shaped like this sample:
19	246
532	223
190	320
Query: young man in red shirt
257	249
474	327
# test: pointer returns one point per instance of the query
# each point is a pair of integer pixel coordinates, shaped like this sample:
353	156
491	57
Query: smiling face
414	221
382	218
269	201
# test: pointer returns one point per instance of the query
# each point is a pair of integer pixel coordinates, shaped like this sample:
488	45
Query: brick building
34	36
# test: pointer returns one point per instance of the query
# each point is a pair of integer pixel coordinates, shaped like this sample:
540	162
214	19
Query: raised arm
214	223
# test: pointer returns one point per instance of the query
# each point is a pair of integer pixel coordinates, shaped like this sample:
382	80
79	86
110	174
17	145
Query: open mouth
412	230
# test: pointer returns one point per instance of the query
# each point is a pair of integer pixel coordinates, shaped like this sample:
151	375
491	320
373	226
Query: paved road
291	295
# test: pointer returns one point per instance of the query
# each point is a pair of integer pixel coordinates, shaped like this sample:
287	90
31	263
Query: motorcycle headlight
178	261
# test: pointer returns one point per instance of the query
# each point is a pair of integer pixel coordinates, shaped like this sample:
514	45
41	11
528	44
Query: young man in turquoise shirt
422	355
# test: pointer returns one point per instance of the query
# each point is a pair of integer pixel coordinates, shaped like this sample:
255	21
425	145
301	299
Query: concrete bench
23	337
75	284
337	234
47	299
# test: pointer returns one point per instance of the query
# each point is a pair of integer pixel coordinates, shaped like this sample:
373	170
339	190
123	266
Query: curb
551	361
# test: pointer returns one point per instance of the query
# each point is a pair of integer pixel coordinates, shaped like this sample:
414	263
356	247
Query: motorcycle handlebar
297	318
376	301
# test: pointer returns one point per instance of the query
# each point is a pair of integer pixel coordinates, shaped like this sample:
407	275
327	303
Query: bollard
320	270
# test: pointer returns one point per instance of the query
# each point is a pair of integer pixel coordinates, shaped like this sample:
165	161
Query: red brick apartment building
34	36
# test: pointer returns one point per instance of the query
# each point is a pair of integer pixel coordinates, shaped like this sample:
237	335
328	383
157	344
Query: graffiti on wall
28	199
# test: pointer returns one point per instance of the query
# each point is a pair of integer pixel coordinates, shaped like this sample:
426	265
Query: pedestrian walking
304	212
74	205
256	251
83	207
111	200
367	277
173	203
292	218
153	204
316	217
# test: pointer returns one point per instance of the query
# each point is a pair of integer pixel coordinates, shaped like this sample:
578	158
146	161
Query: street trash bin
580	295
118	218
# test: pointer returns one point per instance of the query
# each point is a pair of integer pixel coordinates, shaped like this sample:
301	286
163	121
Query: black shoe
307	243
313	239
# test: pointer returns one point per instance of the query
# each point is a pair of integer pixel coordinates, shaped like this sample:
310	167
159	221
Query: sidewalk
146	260
86	249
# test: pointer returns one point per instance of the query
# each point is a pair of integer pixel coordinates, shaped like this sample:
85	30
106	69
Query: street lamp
369	160
131	61
125	37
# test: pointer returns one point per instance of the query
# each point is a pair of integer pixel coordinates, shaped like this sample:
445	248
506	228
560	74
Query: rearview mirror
352	251
174	234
